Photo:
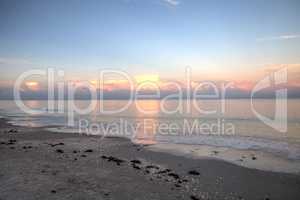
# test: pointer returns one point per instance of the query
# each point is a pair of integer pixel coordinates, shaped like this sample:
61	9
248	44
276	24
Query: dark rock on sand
152	167
89	151
11	142
194	197
215	152
164	171
194	172
106	194
181	181
136	167
57	144
59	151
113	159
175	176
136	161
12	131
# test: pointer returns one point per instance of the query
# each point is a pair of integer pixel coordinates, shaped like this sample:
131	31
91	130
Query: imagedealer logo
186	95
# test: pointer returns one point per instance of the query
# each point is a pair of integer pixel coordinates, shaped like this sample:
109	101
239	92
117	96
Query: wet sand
37	164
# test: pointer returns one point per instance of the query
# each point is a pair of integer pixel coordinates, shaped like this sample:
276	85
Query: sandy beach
36	164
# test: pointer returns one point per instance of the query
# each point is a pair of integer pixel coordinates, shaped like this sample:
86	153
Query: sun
154	78
32	85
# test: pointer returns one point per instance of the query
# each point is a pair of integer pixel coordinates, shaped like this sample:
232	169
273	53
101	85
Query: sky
218	39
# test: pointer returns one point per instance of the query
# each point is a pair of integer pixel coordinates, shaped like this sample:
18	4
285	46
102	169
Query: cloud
280	37
14	61
172	2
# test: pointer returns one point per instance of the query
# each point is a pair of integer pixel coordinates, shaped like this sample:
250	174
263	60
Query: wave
282	148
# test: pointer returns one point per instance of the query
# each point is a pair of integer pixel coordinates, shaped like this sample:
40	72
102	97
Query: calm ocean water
145	117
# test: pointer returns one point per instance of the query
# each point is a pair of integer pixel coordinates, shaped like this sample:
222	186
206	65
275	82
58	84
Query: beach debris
12	131
152	167
164	171
106	194
113	159
136	161
59	151
183	181
11	142
136	166
175	176
194	172
194	197
215	152
254	158
57	144
137	146
89	151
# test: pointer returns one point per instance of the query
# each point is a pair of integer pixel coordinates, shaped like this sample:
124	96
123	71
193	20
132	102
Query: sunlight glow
147	78
32	85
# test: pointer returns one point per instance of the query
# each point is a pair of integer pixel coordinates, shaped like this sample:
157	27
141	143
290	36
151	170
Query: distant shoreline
170	99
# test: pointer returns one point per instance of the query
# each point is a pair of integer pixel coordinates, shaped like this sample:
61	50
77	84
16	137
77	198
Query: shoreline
247	158
40	164
250	158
